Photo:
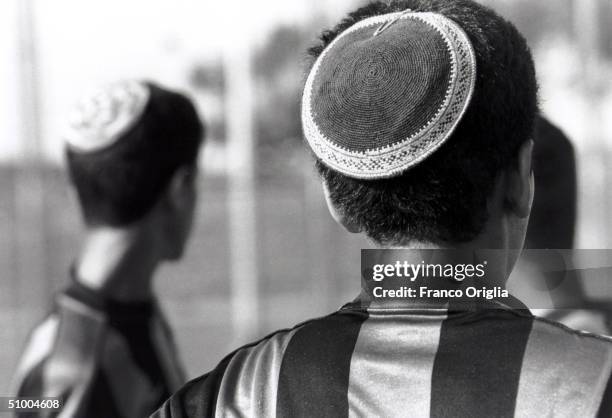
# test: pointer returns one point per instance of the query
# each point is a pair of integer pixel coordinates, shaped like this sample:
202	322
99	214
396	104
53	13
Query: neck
480	264
486	248
118	262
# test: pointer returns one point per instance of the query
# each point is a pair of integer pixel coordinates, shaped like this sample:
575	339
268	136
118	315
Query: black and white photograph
305	208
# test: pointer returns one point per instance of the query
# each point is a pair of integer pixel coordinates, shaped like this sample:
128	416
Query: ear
519	182
337	214
176	192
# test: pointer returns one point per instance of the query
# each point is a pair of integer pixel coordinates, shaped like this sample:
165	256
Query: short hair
444	198
121	183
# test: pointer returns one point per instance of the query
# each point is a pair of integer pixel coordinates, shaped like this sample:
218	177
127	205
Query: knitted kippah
102	117
388	92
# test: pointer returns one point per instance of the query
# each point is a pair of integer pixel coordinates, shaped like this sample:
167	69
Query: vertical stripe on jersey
39	346
390	373
314	375
101	403
80	327
250	382
605	408
478	364
166	354
198	398
132	391
564	373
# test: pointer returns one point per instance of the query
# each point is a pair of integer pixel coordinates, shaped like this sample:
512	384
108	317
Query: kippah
388	92
102	117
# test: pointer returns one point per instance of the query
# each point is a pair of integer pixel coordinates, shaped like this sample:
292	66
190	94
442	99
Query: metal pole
28	191
32	286
241	191
596	173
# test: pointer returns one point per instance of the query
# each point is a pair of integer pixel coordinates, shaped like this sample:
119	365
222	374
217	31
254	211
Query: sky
81	44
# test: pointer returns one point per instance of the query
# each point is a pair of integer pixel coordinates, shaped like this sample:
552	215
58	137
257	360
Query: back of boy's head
441	196
124	144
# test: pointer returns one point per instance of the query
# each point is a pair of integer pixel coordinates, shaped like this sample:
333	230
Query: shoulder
586	355
556	336
562	366
247	380
557	332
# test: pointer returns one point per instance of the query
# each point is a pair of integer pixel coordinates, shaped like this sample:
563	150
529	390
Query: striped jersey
103	360
366	361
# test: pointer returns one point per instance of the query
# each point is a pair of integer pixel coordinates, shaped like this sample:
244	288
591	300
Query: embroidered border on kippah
102	117
392	160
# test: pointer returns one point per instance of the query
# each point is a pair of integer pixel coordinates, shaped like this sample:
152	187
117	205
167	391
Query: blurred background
265	253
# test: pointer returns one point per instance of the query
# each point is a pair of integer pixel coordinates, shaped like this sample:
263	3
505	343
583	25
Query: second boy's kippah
101	118
387	93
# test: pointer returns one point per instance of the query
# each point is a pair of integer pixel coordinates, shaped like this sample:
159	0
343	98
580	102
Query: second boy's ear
338	216
178	187
519	182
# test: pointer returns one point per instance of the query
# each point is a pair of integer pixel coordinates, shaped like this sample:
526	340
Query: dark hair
119	184
444	199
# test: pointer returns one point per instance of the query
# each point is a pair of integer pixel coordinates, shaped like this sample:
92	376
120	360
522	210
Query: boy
106	350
